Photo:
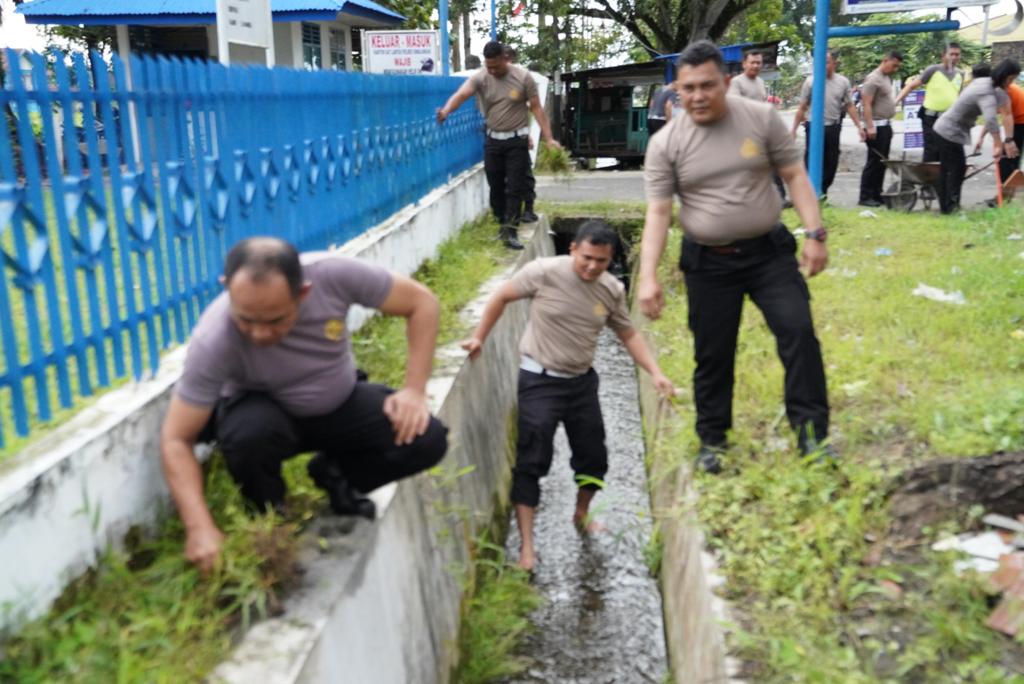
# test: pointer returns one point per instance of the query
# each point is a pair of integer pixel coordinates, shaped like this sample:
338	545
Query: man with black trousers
507	94
879	104
837	100
270	374
572	298
983	96
718	158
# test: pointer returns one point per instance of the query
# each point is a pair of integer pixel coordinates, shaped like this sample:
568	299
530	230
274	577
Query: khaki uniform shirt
880	86
567	313
722	171
837	97
979	98
505	101
750	88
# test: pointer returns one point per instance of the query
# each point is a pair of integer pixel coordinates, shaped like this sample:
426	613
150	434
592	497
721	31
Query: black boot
708	458
530	216
344	499
510	236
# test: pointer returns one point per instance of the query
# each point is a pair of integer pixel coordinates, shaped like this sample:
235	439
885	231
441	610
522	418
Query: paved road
612	185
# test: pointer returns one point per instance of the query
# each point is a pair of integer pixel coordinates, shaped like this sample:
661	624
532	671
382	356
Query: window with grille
311	57
337	50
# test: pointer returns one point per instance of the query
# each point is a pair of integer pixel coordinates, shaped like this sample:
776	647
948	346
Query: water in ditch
601	619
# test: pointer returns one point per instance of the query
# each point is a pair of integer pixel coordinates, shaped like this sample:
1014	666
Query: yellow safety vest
940	93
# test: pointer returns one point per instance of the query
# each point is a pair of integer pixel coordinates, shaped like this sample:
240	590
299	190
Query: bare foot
527	560
584	523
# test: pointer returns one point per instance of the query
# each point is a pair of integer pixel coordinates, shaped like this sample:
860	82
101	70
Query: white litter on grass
1015	236
852	389
867	213
937	295
981	565
986	545
1021	255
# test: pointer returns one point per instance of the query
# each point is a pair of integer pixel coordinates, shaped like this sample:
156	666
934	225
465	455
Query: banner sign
913	134
870	6
401	52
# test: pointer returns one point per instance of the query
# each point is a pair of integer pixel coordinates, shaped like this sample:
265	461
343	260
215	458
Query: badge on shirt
334	329
749	149
600	311
513	94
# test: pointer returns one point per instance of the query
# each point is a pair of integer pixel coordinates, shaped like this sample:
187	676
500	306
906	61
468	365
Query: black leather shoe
344	499
824	451
510	237
707	459
530	217
869	203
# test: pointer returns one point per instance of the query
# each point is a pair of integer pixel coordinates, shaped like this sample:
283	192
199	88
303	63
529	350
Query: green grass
496	618
910	380
461	266
145	614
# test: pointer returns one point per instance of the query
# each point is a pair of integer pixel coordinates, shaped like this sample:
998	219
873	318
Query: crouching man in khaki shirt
572	299
718	158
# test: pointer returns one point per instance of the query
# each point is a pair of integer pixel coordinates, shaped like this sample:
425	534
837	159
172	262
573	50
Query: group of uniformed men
270	371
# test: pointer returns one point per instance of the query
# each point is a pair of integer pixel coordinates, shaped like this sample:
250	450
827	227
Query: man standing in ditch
270	374
572	298
507	94
718	157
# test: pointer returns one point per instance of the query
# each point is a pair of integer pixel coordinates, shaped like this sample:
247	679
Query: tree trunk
465	36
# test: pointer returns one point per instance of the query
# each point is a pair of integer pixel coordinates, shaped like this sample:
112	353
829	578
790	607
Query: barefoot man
572	299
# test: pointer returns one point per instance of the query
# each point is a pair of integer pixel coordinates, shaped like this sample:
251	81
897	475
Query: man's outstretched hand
202	547
409	414
473	345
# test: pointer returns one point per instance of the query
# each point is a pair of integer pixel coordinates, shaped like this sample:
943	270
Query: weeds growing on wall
910	380
496	618
146	615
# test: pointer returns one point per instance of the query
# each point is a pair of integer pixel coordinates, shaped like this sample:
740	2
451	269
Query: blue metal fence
120	192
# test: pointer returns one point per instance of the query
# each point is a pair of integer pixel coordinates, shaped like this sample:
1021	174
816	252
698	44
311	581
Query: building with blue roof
312	34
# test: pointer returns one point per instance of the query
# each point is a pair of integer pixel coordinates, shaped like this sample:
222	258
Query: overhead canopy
184	12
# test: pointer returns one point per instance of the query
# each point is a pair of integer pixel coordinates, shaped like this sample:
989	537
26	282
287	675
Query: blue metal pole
494	21
816	147
889	29
445	48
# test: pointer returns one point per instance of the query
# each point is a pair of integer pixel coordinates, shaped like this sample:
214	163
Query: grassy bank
145	615
818	590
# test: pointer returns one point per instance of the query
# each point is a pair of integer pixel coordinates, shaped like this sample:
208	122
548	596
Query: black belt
755	245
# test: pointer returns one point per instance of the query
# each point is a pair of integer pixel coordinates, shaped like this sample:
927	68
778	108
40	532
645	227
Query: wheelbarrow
917	180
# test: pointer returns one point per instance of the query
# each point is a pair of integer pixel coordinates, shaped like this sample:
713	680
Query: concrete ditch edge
76	491
695	617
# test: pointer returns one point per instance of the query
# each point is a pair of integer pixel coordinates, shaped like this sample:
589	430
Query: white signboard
402	52
244	22
870	6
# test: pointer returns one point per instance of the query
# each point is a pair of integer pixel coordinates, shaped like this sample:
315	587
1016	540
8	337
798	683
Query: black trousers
765	269
872	177
544	402
507	165
953	167
256	435
831	154
931	143
1008	165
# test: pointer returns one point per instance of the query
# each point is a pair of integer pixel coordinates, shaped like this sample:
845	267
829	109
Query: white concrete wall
70	495
695	617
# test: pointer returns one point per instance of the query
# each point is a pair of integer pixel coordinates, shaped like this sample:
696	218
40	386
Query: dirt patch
942	490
